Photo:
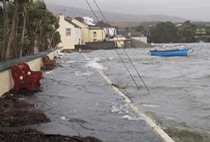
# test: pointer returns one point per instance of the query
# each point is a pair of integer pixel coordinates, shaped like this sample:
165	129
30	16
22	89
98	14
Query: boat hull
182	52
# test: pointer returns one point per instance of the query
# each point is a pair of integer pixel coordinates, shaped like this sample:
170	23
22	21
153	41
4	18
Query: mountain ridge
111	16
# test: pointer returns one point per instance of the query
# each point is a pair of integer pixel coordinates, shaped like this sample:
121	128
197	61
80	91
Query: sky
187	9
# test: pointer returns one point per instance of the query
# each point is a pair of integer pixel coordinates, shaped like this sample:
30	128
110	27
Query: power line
115	49
124	49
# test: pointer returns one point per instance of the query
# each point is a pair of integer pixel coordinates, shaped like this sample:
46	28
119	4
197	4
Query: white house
88	21
110	31
201	31
70	33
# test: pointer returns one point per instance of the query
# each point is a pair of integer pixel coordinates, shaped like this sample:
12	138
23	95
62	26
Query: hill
111	16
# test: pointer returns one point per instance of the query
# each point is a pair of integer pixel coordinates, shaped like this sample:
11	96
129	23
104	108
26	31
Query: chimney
61	16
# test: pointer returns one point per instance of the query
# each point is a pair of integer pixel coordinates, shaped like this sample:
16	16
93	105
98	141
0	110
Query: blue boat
178	52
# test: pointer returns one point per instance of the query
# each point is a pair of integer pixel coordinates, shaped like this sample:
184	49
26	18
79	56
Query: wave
79	73
128	117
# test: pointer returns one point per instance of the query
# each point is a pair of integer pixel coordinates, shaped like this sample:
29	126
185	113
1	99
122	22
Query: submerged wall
34	61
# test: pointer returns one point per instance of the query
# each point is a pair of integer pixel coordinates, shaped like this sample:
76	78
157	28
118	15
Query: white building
142	39
88	20
111	31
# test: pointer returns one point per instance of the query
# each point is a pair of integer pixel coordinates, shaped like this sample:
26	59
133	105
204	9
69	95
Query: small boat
175	52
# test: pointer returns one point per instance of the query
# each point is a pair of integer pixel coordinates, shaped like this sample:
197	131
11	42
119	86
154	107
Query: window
94	34
68	32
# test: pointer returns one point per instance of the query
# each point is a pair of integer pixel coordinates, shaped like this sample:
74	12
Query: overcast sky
187	9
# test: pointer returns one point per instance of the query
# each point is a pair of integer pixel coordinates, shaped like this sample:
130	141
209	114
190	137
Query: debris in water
115	85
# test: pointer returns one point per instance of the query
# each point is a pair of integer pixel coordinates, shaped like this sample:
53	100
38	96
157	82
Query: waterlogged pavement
179	101
80	102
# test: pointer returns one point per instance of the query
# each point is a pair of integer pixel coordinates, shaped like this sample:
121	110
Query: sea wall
34	61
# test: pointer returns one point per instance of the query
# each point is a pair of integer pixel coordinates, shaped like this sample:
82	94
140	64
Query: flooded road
80	102
180	95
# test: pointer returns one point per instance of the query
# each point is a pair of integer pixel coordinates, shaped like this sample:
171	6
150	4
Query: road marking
148	120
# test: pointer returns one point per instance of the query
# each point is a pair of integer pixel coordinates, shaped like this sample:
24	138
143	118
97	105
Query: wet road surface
80	102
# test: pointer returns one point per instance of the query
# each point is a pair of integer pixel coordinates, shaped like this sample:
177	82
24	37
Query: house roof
81	22
102	25
75	25
93	27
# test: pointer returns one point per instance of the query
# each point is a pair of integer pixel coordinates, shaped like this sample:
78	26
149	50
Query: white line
149	121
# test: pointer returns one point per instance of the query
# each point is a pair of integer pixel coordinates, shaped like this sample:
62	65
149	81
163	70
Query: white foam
71	62
74	62
63	118
115	109
170	118
123	107
49	72
95	65
79	73
128	117
96	60
148	105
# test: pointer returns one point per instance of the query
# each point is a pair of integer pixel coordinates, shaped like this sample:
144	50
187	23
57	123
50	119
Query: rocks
33	135
22	118
14	112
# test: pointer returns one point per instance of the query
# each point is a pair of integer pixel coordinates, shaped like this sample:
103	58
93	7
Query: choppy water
180	86
80	102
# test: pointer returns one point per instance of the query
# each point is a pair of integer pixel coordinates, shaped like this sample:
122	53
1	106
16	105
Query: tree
140	28
34	21
127	29
164	32
187	32
47	30
13	30
5	27
25	23
1	33
25	8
